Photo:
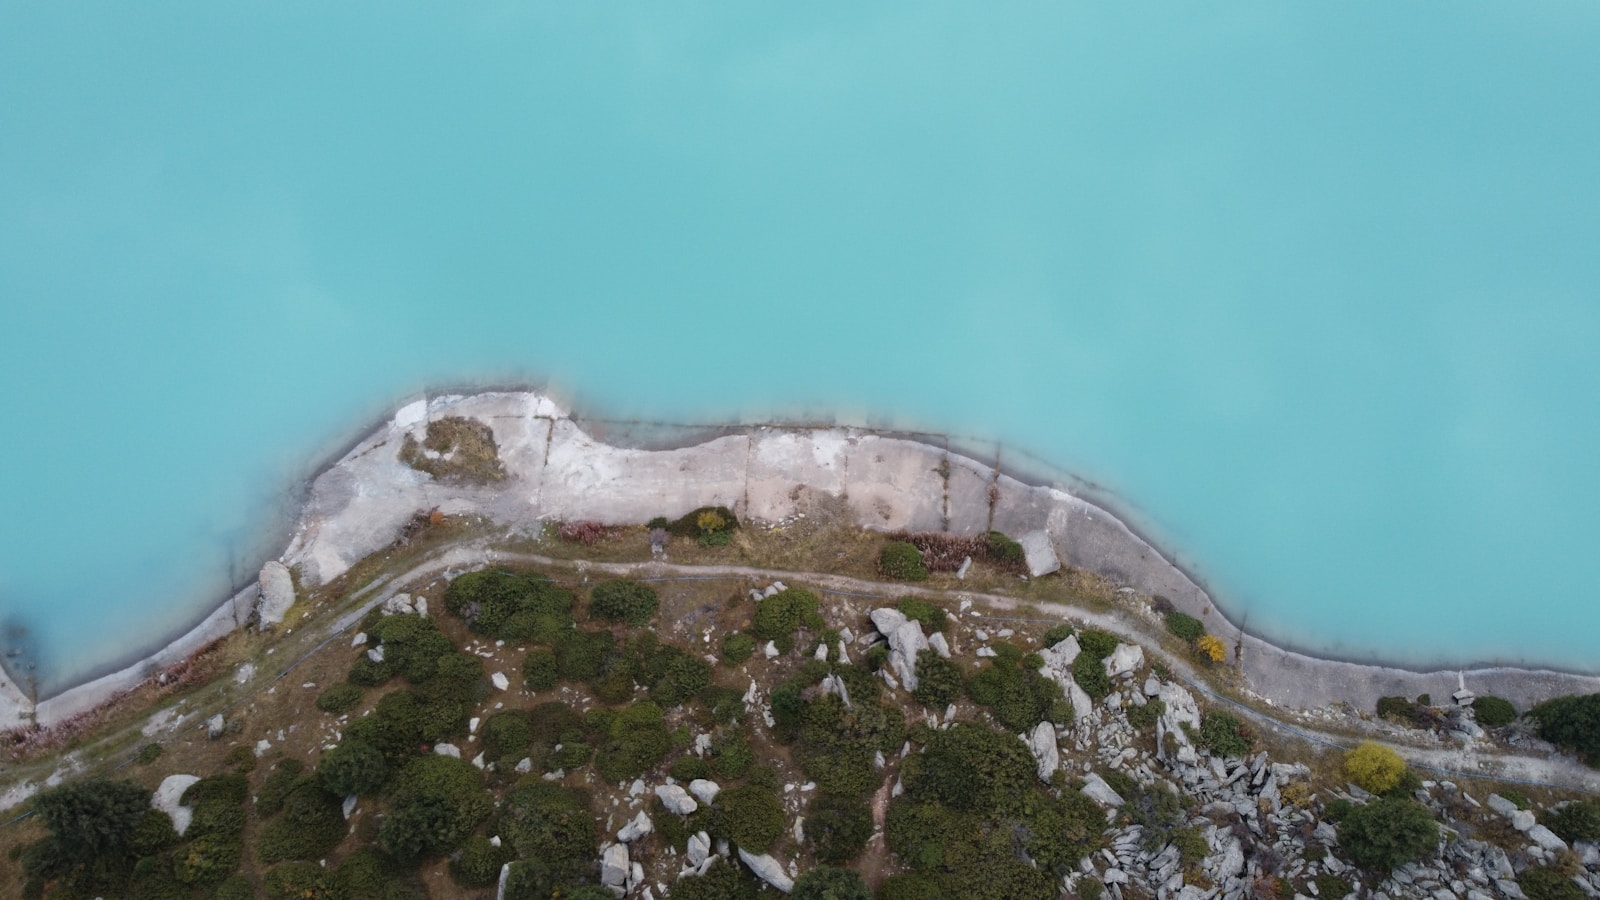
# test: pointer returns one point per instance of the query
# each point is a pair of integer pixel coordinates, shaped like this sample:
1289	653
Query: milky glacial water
1313	292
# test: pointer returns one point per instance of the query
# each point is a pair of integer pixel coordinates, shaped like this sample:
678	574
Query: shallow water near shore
1312	293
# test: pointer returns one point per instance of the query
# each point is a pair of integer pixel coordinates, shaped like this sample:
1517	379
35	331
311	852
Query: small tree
1388	832
1572	722
623	601
92	820
1374	767
1493	712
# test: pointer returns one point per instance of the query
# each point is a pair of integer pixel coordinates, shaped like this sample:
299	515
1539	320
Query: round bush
1493	712
754	816
939	680
1374	767
1546	883
479	863
506	733
341	698
539	670
737	647
623	601
1388	832
301	881
903	561
1577	821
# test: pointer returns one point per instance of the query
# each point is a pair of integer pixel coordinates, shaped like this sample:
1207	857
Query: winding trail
1558	772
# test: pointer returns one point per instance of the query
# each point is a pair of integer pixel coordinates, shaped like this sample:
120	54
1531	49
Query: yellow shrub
1374	767
1213	647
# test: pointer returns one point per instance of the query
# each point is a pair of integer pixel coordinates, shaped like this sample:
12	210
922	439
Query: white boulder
703	790
1124	660
638	828
166	799
1039	553
277	593
1042	743
676	799
767	869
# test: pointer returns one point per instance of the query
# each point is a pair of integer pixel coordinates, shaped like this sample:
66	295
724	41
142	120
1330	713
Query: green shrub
1056	635
1225	735
1097	644
411	645
737	647
240	759
635	741
1571	722
939	680
1388	832
207	859
488	600
311	824
933	618
1493	712
553	825
300	881
1547	883
623	601
910	887
539	670
229	788
148	754
92	820
479	862
722	881
689	768
218	816
732	758
238	887
507	733
1576	821
754	816
367	874
673	676
1517	797
585	655
1089	671
838	828
902	560
1332	887
780	615
1002	549
1144	717
353	767
1397	708
836	744
438	801
341	698
1019	698
705	523
968	766
1185	626
830	883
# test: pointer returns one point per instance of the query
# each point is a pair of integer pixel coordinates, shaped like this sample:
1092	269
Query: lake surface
1314	292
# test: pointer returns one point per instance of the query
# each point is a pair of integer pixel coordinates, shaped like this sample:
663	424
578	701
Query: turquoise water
1315	292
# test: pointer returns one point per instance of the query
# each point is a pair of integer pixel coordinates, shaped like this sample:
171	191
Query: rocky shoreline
555	470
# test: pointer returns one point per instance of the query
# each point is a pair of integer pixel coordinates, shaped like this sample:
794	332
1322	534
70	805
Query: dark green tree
1388	832
830	883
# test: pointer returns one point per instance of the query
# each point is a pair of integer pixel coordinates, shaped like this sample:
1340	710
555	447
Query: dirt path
1560	772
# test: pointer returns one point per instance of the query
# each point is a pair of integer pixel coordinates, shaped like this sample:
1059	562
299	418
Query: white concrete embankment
556	471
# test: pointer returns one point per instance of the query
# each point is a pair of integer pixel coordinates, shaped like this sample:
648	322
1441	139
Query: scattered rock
450	750
1096	789
500	681
1042	743
614	865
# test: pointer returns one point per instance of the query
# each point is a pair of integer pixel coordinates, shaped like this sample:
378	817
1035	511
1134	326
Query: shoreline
561	466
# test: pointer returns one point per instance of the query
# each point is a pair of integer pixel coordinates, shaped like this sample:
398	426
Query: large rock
1181	709
1546	838
767	869
704	790
1042	743
1124	660
277	593
614	865
699	848
1039	552
638	828
166	799
676	799
905	642
1096	789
